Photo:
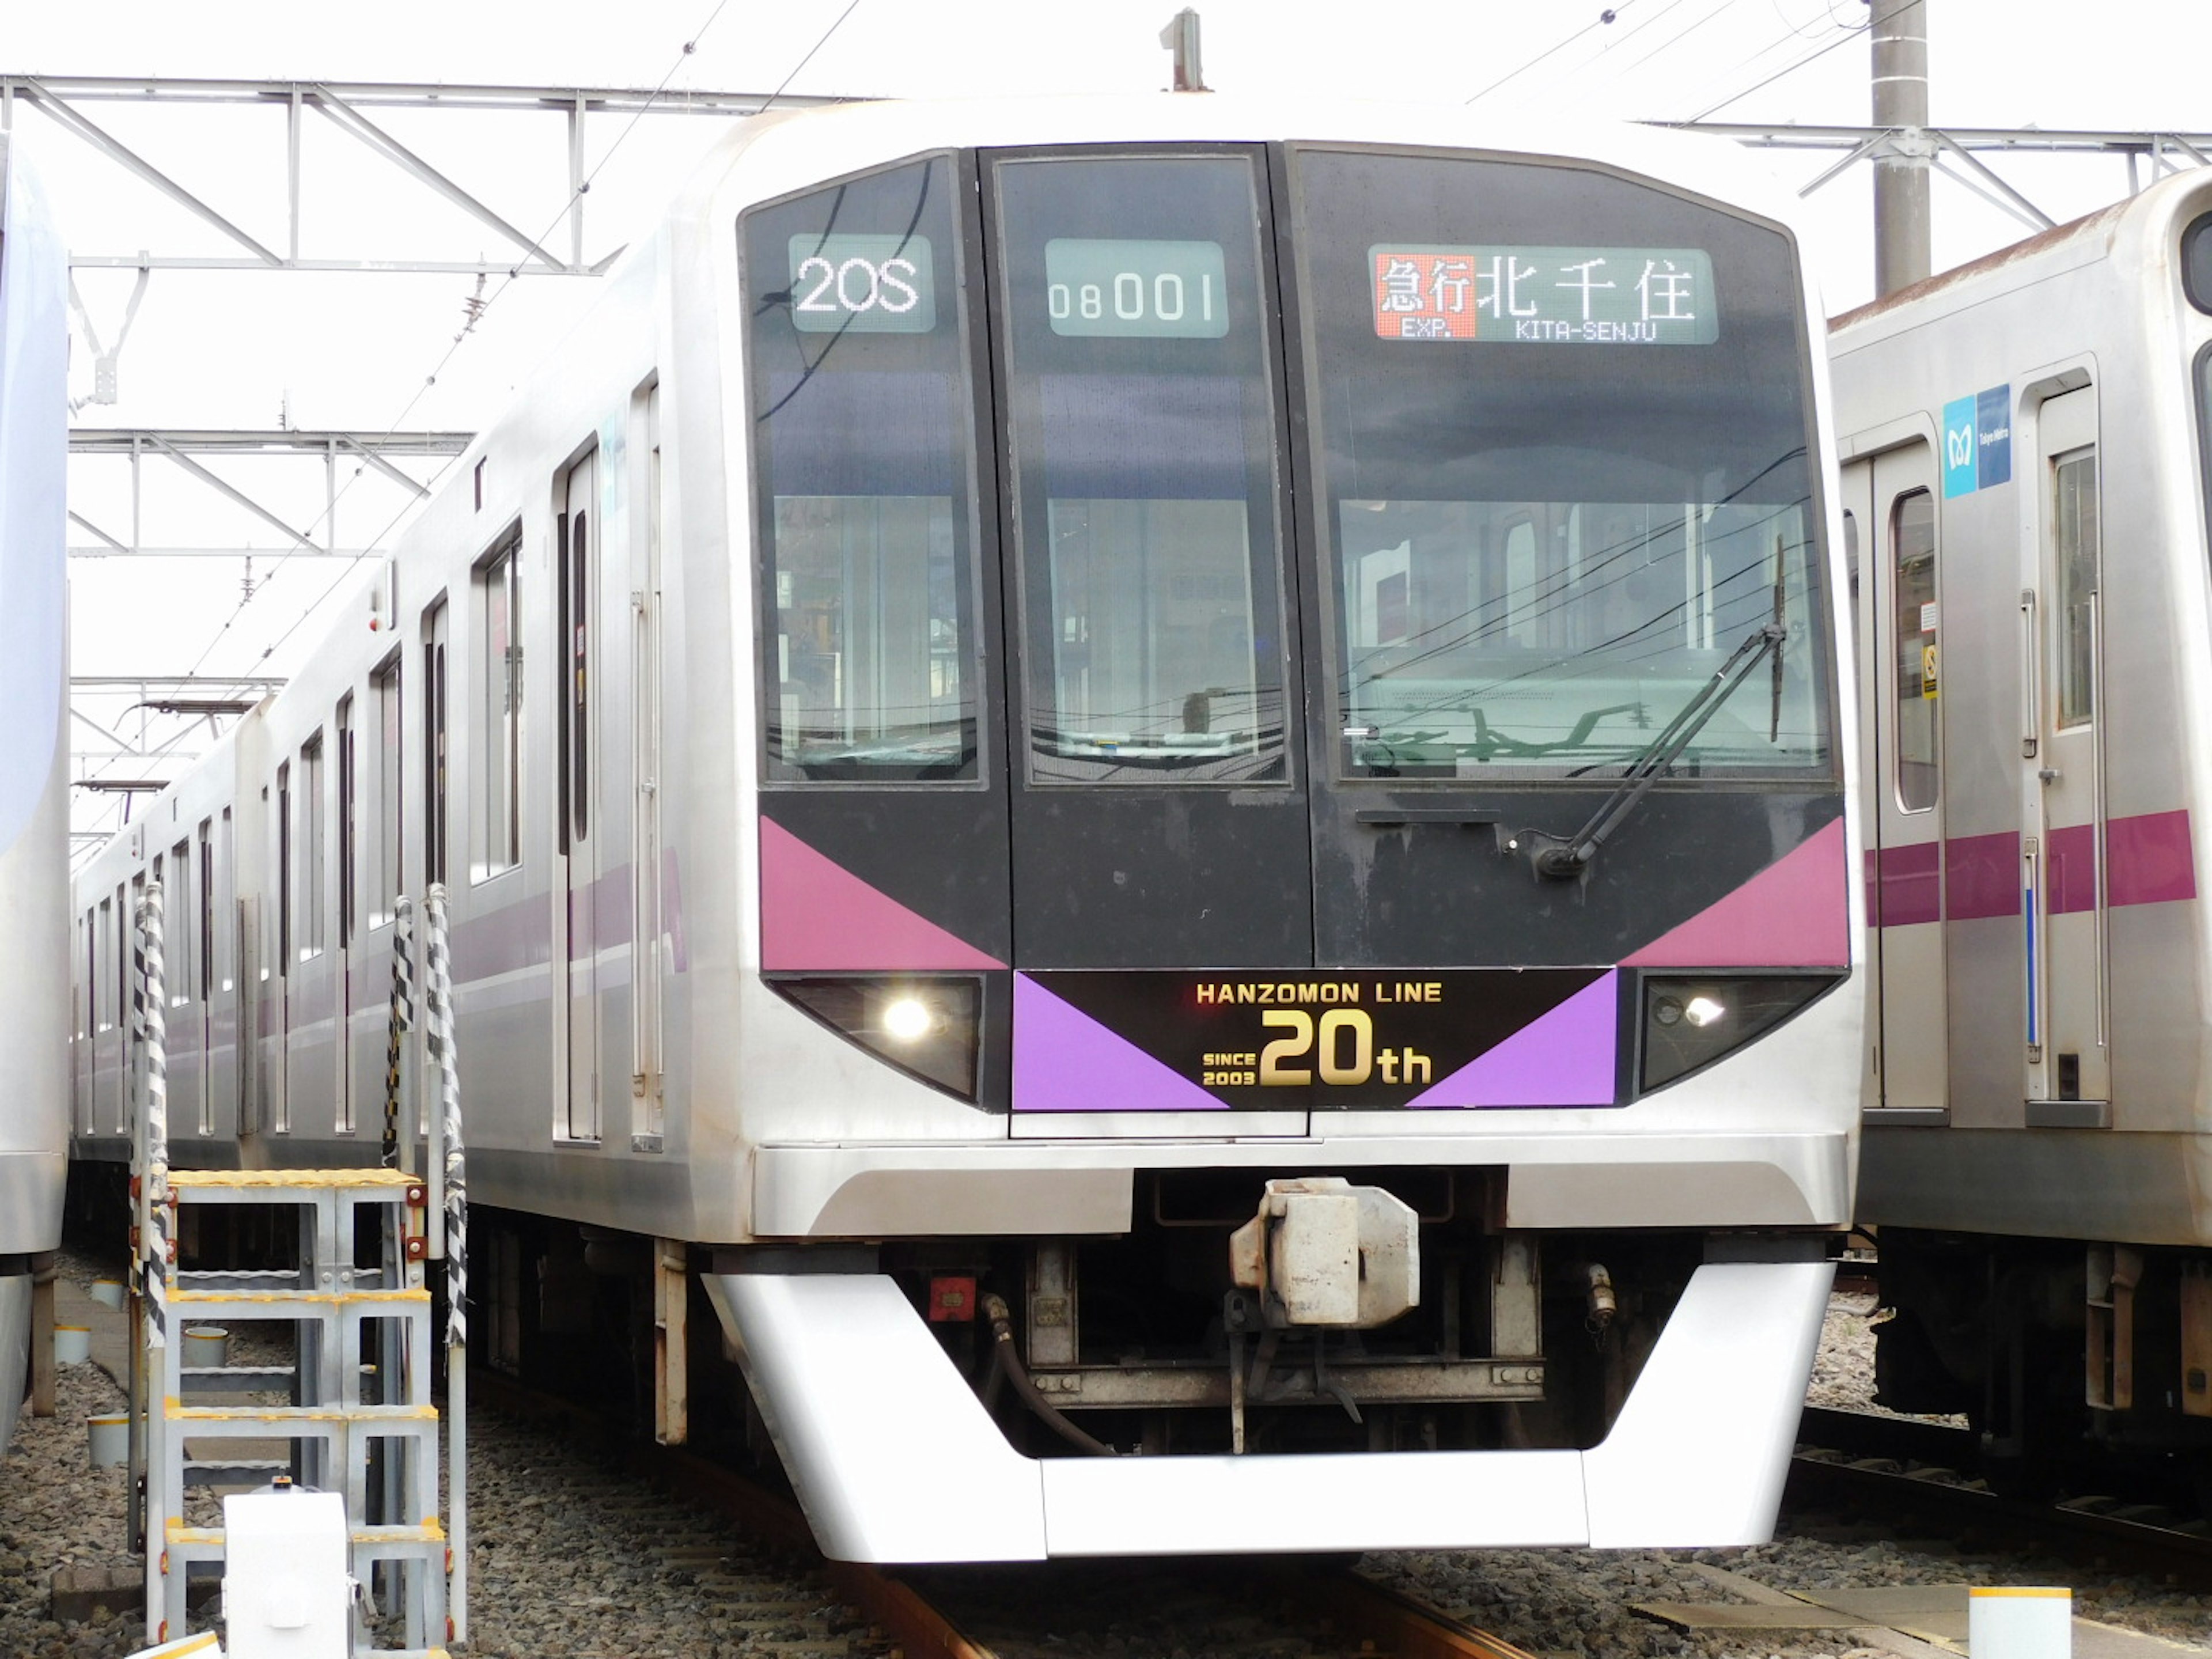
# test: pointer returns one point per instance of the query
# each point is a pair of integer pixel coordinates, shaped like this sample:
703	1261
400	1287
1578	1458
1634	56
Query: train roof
2091	237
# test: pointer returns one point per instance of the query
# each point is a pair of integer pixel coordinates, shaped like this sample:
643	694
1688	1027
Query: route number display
869	284
1136	289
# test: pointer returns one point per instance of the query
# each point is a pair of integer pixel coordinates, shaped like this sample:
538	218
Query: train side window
386	818
315	829
345	826
178	918
434	744
205	925
1851	623
285	880
1139	414
2074	527
497	826
863	417
1919	739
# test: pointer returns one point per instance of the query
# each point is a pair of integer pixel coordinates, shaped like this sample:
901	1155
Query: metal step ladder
356	1415
361	1420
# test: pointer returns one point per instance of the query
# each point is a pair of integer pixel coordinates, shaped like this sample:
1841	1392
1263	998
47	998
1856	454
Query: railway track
1900	1468
1217	1607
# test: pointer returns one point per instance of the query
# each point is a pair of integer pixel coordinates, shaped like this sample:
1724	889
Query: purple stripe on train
1066	1061
1911	886
2071	883
2149	860
1981	876
1565	1058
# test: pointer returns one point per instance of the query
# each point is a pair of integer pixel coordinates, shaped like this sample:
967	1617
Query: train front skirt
896	1460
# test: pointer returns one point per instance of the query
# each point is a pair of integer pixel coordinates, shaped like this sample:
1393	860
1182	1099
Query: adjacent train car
2025	484
1154	776
34	755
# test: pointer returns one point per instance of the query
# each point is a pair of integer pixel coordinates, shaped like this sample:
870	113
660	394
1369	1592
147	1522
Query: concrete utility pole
1901	253
1181	38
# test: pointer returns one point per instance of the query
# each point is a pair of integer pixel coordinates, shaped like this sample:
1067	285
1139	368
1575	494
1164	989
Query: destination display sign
1147	289
862	284
1339	1039
1544	296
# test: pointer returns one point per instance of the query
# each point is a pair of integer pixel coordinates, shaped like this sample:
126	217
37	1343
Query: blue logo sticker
1960	455
1977	441
1993	435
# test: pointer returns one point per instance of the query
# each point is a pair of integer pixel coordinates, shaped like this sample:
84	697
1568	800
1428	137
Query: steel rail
905	1616
1902	1464
1362	1613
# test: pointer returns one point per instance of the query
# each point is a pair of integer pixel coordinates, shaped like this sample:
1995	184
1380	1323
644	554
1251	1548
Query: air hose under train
1006	1362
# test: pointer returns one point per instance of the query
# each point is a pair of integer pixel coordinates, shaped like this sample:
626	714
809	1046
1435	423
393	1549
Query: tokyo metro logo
1977	441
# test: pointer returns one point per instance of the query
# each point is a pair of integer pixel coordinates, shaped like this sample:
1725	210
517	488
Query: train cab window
1562	431
1141	418
1912	544
498	826
862	429
2074	524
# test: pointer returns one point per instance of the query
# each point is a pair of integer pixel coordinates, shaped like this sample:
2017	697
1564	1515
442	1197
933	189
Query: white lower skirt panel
895	1459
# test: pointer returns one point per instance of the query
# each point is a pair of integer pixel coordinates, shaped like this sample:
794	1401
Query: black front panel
1202	580
1156	820
879	660
1560	476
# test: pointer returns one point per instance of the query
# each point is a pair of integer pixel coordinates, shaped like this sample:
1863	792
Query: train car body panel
35	1063
2035	1152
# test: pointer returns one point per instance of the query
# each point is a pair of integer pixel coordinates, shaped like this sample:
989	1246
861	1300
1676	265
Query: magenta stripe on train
2149	860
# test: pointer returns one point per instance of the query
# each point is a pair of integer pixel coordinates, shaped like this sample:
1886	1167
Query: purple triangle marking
1563	1058
1066	1061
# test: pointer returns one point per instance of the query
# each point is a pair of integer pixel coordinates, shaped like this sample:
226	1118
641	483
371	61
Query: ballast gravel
575	1558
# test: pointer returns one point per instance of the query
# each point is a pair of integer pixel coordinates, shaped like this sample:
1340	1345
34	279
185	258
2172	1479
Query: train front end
1303	900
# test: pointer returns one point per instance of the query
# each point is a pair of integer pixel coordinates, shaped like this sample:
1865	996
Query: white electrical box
286	1590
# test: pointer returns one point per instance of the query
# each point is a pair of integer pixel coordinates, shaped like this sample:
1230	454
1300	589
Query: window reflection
1143	436
1482	637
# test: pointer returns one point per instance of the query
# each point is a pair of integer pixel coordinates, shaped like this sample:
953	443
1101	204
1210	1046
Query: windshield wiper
1561	859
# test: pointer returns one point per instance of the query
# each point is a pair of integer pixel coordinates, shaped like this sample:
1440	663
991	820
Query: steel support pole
1901	249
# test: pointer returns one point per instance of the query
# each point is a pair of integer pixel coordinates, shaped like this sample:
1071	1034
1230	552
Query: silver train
1158	775
34	918
2025	476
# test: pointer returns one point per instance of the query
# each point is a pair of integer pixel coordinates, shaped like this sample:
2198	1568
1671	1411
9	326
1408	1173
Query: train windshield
1141	414
1562	429
861	417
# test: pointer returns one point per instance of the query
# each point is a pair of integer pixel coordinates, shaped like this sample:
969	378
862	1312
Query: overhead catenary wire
477	306
1601	21
1782	73
513	276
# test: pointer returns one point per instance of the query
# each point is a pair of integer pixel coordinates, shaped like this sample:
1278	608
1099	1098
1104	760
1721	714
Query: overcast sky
249	349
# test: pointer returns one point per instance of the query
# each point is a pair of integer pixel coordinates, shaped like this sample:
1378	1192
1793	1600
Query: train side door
2068	1058
1862	547
1898	577
576	942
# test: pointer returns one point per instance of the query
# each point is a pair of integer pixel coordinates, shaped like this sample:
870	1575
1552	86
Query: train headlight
926	1025
908	1020
1689	1022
